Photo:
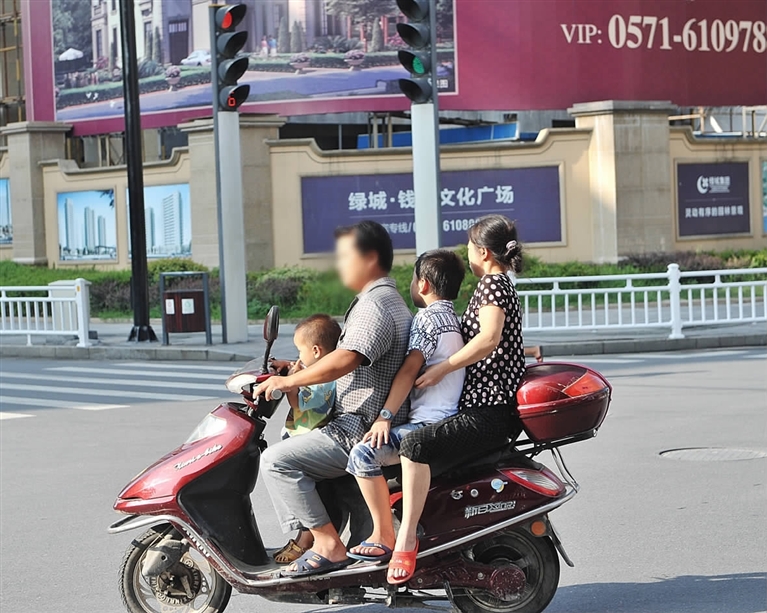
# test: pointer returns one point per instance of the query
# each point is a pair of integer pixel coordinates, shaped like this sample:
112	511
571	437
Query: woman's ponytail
498	234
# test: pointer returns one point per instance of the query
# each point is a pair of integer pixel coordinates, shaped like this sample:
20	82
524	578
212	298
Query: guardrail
673	300
61	308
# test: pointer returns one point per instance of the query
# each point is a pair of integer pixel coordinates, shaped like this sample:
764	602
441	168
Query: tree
362	11
71	21
377	43
296	38
148	49
157	46
283	37
445	19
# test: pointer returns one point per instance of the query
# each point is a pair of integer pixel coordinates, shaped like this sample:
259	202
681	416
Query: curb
575	348
652	345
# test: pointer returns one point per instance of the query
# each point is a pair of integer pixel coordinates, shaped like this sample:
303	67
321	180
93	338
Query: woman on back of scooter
495	362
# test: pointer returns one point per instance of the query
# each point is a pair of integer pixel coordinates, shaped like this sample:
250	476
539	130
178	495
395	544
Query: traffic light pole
426	163
142	330
230	210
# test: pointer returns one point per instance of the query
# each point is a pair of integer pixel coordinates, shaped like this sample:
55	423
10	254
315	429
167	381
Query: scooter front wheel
536	556
192	586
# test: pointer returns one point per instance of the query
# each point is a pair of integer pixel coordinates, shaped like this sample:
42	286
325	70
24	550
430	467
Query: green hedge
300	292
112	91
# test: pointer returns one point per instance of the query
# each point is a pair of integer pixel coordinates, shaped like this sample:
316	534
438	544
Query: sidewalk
112	343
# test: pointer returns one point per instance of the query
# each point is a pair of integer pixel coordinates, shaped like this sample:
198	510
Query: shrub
172	265
283	36
377	42
148	68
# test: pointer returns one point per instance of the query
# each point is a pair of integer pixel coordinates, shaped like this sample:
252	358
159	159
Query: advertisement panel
326	56
87	225
6	222
713	199
531	196
764	196
168	221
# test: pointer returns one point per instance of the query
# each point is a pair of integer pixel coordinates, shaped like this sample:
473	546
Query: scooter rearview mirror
272	324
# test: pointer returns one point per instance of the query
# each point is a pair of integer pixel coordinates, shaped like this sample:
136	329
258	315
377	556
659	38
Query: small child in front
435	334
311	406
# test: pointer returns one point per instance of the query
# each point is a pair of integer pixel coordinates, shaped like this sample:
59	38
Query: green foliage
297	38
71	21
301	292
361	11
157	46
283	36
148	68
377	41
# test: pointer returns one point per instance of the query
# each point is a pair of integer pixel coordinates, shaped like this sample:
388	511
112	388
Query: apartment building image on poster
87	225
6	224
168	221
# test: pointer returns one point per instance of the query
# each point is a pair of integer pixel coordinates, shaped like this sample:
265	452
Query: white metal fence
56	309
652	300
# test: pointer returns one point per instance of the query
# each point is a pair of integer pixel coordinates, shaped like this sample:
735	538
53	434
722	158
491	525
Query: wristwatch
386	414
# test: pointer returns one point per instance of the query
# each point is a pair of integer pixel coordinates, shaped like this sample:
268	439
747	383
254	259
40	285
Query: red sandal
402	560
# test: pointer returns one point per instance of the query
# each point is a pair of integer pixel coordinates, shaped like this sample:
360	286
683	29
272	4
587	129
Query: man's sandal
290	553
381	557
402	560
312	563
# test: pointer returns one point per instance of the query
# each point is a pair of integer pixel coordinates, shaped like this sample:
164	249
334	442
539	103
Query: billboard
6	222
531	196
325	56
87	225
168	221
713	199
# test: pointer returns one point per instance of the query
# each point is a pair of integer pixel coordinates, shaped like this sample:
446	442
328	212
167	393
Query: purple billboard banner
531	196
713	199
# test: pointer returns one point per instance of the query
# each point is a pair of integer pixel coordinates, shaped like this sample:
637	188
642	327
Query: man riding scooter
369	354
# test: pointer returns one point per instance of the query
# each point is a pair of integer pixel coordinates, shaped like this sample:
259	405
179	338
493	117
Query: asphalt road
647	534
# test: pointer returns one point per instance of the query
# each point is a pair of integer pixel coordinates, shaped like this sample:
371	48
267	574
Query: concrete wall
567	149
686	148
6	251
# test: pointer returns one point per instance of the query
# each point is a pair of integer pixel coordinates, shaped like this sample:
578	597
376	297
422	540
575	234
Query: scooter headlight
210	426
237	382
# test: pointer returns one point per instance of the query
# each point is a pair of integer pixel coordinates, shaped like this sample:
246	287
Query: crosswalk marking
88	391
181	385
4	415
137	373
44	403
157	365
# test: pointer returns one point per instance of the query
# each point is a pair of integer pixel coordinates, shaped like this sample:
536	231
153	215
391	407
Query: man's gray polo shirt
377	326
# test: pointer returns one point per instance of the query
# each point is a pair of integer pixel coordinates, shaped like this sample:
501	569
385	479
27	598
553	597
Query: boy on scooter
435	334
310	406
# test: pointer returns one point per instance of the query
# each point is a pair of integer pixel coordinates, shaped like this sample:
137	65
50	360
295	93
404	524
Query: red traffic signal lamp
227	67
417	33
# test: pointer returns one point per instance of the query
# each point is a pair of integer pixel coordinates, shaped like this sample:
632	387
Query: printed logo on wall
87	225
531	196
168	221
713	199
6	223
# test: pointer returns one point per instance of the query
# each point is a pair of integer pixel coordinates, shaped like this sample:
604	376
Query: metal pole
230	213
142	330
426	164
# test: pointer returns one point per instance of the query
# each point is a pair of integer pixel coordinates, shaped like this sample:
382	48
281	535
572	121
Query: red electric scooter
487	544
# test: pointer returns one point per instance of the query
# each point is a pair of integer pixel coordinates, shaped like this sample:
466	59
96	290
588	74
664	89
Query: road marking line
712	353
86	391
59	404
136	373
181	385
4	415
225	369
588	360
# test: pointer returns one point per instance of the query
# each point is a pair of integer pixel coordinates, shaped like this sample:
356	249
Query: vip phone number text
647	32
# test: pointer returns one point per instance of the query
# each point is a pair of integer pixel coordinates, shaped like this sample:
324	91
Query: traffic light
419	35
227	66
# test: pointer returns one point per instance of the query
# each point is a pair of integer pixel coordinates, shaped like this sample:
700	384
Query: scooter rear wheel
164	594
536	556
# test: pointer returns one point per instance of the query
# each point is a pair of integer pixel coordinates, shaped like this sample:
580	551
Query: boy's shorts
366	461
